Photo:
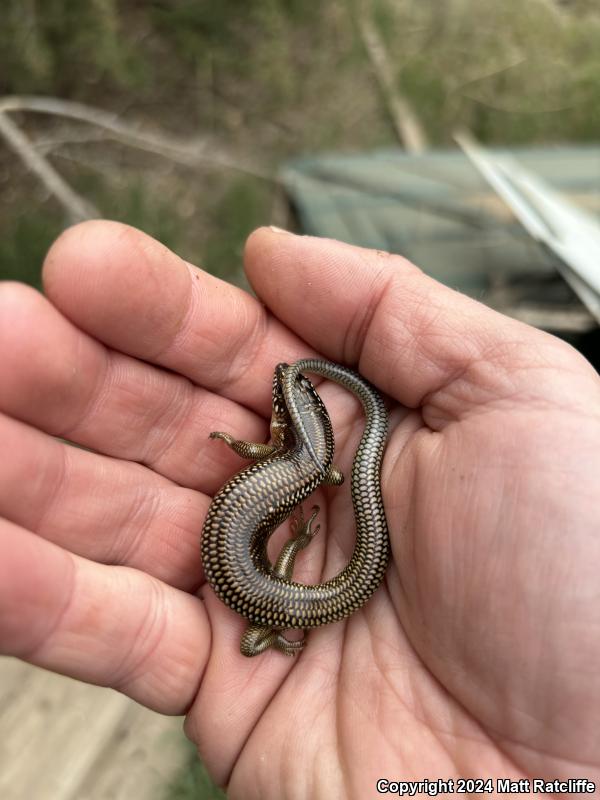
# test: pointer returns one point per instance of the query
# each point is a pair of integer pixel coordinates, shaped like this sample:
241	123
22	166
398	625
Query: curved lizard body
252	504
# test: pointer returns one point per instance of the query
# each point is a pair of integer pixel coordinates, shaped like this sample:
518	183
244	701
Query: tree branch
193	153
405	121
76	207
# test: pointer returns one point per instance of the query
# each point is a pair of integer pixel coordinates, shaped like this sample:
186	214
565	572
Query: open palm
477	657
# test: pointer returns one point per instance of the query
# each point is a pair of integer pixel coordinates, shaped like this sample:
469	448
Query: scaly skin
248	508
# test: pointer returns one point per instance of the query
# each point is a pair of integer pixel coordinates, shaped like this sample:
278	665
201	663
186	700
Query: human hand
478	655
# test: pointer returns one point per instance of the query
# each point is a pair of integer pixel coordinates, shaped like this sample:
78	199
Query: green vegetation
193	783
24	243
265	81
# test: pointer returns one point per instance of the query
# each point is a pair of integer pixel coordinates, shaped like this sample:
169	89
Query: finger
117	512
112	626
127	290
104	509
61	380
418	340
233	687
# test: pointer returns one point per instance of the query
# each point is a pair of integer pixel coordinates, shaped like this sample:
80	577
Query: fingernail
275	229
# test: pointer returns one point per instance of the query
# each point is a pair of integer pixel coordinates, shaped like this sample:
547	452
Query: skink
251	505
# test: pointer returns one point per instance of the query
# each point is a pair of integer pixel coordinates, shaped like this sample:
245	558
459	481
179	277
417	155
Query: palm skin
477	657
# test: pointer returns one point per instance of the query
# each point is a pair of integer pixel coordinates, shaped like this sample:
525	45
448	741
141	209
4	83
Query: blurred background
198	121
223	94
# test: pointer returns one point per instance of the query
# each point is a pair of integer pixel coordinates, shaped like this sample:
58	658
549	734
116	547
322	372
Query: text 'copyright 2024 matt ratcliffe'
484	786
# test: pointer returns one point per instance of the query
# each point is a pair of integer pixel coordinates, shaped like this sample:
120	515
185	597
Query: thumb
423	343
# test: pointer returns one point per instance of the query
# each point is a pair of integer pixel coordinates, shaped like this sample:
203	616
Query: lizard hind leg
258	638
302	534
